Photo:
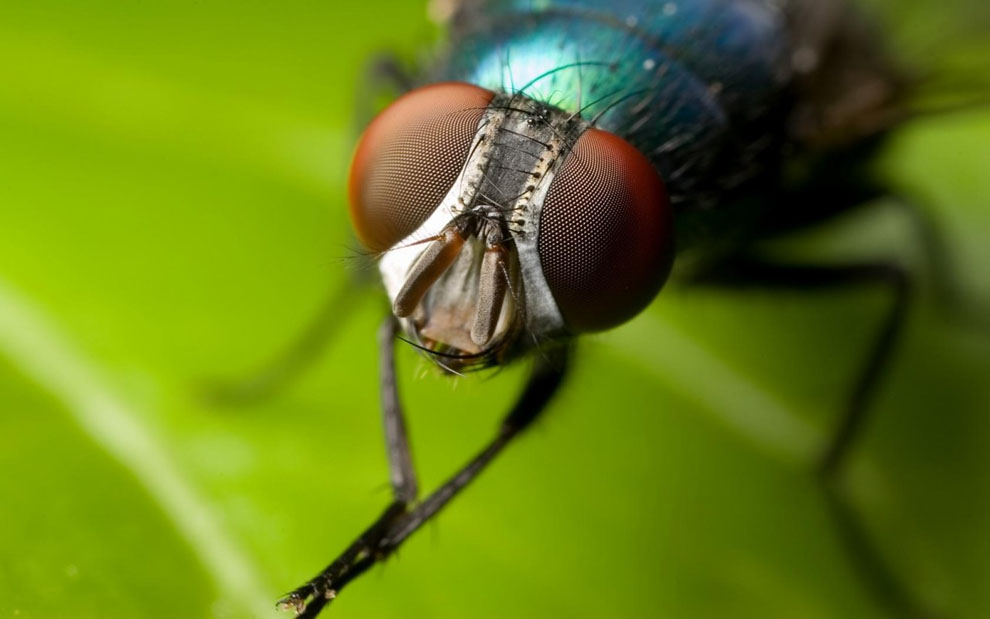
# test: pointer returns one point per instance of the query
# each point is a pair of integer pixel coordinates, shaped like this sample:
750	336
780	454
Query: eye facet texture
409	157
606	233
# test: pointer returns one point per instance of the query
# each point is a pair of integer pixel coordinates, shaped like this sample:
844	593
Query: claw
293	602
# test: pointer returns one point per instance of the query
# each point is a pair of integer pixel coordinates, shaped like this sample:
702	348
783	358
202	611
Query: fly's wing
860	69
845	82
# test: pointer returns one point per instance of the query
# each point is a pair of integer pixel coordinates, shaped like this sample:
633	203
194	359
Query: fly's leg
942	269
747	271
543	383
279	371
544	380
388	70
385	78
402	475
403	517
309	599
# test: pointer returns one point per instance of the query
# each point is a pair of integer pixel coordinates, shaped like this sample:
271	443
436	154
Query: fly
543	183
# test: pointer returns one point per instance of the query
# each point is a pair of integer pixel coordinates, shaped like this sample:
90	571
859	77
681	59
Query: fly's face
504	223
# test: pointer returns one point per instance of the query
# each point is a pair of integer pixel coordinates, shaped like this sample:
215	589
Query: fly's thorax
492	211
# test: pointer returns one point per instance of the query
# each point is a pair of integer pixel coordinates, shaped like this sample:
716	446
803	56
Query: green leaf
172	210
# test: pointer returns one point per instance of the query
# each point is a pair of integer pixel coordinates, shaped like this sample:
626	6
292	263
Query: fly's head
504	224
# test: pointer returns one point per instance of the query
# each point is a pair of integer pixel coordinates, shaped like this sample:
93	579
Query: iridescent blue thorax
688	82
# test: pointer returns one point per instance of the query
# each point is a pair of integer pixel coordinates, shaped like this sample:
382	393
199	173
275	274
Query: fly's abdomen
687	83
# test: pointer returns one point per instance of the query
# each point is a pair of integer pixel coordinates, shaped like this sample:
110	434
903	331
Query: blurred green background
172	211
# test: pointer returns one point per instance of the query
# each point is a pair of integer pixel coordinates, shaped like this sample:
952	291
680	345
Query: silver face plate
519	146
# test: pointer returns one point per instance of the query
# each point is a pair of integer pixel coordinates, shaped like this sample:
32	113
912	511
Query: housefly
562	157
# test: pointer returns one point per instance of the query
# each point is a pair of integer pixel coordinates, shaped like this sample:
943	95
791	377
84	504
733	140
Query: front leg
385	78
301	353
308	599
402	517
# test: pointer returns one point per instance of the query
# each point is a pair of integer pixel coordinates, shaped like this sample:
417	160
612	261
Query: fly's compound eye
409	157
606	233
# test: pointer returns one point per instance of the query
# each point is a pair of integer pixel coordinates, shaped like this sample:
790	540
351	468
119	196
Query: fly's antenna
517	302
520	309
380	254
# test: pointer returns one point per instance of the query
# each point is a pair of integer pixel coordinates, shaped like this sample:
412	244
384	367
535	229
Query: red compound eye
606	233
409	158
